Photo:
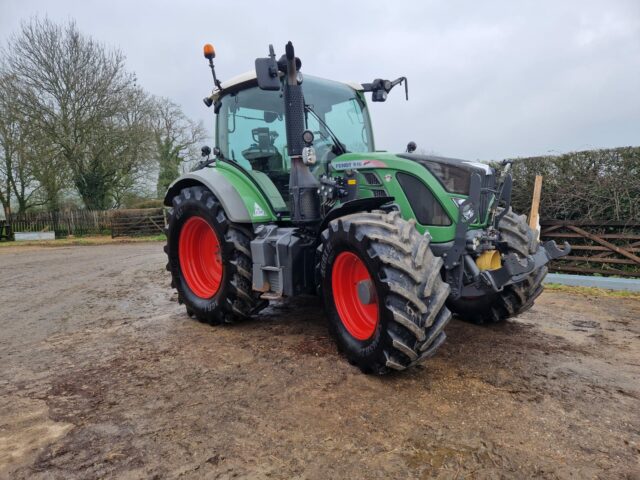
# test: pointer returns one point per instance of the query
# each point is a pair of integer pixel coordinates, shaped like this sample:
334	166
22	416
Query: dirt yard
102	374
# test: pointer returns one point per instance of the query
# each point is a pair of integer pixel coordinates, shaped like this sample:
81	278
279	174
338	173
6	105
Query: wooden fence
84	222
73	222
602	248
148	221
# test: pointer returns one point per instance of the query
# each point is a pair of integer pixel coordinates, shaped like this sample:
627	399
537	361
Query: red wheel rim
360	319
200	259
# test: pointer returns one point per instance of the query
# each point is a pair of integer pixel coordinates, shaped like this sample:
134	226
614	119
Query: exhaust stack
303	186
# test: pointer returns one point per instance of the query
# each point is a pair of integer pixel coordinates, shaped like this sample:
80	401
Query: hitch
514	271
553	251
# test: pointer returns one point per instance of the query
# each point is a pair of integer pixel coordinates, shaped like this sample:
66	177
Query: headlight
308	156
467	211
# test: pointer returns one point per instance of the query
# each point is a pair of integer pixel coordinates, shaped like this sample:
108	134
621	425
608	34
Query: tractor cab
251	130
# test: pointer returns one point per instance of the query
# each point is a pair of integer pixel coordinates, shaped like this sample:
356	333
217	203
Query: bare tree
136	154
77	93
176	141
18	150
8	138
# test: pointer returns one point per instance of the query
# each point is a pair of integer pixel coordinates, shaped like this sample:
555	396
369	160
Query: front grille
378	192
371	178
488	182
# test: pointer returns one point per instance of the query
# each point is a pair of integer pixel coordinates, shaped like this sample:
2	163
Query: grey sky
487	80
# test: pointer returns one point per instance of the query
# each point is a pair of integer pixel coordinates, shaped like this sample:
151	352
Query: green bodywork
265	204
387	175
254	190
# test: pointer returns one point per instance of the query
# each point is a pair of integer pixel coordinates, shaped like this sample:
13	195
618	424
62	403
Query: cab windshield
251	128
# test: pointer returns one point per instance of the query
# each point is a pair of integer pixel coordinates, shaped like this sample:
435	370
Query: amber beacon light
209	51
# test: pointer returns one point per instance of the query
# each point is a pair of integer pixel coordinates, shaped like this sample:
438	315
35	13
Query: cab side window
252	133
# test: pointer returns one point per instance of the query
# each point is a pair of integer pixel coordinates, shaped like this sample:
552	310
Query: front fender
355	206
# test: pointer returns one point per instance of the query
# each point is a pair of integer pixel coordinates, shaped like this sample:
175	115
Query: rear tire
513	299
396	319
214	287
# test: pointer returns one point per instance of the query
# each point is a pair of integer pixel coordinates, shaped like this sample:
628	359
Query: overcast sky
487	80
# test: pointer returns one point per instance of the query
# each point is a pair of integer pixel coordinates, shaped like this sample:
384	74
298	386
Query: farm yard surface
103	375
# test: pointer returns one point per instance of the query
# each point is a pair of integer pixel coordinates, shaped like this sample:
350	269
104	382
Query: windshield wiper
339	145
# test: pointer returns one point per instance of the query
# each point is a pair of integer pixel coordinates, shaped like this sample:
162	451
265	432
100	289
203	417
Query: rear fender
241	202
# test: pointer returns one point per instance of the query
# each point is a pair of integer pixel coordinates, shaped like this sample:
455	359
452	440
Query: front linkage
459	261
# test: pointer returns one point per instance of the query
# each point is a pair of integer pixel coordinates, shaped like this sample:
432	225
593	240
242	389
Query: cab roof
247	78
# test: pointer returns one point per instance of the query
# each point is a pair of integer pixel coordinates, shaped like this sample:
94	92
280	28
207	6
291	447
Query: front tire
209	259
383	293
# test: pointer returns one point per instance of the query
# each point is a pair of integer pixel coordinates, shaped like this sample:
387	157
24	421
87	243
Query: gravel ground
103	375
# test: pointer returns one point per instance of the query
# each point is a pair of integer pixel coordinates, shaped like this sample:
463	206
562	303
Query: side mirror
267	72
379	96
411	147
205	151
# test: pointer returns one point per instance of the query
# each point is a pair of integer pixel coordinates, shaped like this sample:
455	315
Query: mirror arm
398	81
378	84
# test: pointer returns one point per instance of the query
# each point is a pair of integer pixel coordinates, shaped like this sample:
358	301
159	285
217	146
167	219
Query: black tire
234	297
514	299
410	293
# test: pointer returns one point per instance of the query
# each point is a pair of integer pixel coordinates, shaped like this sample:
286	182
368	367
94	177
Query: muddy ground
103	375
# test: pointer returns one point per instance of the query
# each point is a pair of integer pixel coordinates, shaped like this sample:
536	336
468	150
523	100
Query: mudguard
241	200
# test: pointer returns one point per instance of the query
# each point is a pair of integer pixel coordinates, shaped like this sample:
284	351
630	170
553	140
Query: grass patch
89	240
593	291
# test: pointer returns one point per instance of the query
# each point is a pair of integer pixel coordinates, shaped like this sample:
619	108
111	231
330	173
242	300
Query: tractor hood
468	165
454	174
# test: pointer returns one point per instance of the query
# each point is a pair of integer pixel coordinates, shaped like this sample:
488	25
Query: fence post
534	216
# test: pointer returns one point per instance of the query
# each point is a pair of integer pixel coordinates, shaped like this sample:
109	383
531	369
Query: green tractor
296	200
